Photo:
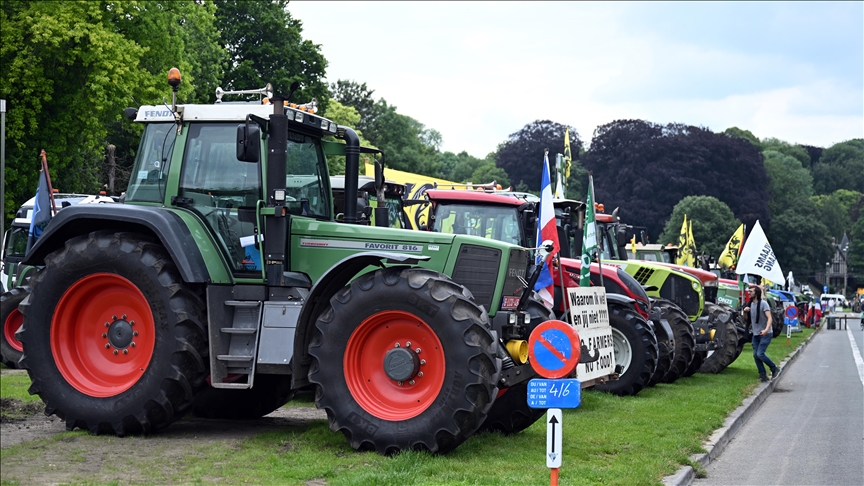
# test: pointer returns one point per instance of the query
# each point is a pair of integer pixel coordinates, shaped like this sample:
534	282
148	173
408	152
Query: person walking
760	311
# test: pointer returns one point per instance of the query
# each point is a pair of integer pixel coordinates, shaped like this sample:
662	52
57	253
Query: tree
856	247
345	116
796	151
799	239
838	210
461	167
264	44
646	169
406	142
788	180
840	167
358	96
521	154
488	173
713	223
744	135
69	69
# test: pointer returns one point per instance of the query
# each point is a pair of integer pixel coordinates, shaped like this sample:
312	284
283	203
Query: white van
838	300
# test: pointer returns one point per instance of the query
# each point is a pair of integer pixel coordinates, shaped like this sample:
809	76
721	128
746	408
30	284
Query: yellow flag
633	245
691	246
729	257
682	244
568	157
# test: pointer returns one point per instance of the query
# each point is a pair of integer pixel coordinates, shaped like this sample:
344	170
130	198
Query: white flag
758	257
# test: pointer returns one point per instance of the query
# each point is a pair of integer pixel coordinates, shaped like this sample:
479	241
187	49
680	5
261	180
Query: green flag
589	237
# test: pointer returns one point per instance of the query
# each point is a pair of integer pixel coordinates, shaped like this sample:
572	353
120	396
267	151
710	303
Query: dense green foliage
521	155
646	169
713	223
263	42
69	69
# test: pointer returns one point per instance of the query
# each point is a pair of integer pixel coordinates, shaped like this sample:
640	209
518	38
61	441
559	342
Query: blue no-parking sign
554	349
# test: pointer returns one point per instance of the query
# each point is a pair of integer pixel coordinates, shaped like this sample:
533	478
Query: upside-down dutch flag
546	230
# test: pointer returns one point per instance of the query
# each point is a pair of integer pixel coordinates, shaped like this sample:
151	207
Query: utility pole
2	170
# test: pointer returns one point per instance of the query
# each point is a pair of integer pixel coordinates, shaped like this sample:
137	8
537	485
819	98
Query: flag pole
48	179
593	199
740	286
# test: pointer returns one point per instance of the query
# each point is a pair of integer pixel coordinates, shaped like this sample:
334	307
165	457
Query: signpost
553	439
554	349
791	319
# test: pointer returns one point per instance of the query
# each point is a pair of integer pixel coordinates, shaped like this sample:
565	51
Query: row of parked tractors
235	276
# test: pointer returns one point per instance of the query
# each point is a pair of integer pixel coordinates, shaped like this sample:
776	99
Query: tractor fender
620	299
82	219
330	282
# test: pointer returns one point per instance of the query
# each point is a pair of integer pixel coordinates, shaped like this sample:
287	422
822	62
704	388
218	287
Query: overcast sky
480	71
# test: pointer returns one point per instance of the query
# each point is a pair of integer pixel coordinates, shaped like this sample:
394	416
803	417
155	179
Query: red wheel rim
10	326
365	376
89	353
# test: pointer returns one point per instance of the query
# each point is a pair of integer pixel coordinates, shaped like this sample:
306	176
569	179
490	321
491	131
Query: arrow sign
553	438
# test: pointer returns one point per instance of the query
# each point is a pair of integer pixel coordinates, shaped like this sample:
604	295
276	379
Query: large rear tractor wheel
404	359
685	344
268	393
718	359
11	348
114	341
510	413
635	351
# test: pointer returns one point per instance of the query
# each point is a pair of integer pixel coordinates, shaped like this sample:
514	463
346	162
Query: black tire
268	393
635	350
698	358
98	275
11	348
685	343
354	336
719	359
510	412
664	363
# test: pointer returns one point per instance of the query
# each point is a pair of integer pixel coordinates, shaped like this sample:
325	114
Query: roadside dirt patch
85	458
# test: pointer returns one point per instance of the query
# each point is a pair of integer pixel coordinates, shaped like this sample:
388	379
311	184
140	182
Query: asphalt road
810	430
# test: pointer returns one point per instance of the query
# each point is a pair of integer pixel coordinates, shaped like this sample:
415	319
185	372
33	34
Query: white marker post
554	444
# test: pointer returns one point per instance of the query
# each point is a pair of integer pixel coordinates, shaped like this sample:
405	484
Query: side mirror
248	142
621	236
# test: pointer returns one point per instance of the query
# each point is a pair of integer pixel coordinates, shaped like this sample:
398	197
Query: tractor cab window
222	190
606	238
16	244
492	222
307	184
150	171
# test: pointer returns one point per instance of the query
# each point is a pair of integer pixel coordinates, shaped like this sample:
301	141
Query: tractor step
228	357
234	335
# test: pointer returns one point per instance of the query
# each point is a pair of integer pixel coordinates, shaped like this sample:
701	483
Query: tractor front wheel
635	351
114	341
11	348
404	359
685	343
718	360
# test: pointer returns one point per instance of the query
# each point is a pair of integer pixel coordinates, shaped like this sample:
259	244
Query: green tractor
225	284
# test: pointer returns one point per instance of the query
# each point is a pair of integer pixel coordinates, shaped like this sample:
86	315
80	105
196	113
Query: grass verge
608	440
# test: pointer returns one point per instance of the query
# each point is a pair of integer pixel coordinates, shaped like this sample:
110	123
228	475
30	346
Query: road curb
733	423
